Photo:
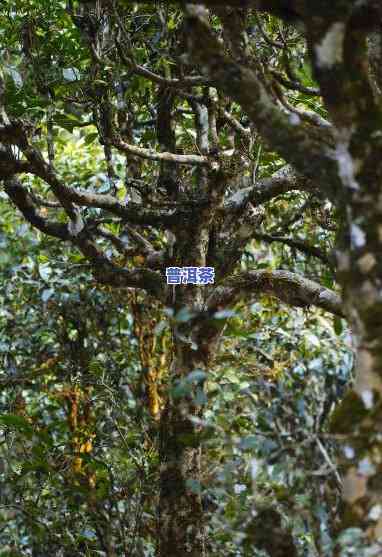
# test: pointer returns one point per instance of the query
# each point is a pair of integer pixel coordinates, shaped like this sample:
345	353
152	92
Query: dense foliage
276	381
141	418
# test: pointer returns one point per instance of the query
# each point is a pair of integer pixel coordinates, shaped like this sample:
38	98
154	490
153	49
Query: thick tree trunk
359	417
181	519
181	525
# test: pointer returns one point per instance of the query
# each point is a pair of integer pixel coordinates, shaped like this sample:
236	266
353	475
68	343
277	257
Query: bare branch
190	81
275	44
105	271
235	124
287	10
9	165
375	58
288	287
11	130
306	115
127	58
47	172
295	85
119	244
202	126
140	240
283	181
150	154
133	212
295	141
308	249
43	202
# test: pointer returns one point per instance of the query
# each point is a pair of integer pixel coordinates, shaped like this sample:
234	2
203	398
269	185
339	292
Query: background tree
189	108
274	382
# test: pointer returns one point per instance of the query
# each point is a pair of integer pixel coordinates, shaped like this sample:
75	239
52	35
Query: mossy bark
181	521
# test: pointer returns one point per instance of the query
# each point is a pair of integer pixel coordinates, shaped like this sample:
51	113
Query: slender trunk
181	520
182	528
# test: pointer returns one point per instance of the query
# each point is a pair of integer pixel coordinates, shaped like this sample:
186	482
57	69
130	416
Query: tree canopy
144	417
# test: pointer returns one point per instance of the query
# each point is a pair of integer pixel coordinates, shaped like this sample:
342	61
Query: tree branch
283	181
287	10
295	85
9	165
127	58
296	142
152	155
235	124
23	201
108	273
132	212
288	287
105	271
308	249
190	81
47	172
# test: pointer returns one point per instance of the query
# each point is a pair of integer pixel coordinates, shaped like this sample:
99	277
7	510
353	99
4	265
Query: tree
189	106
78	458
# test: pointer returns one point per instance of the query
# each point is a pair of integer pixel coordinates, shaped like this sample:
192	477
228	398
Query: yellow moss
80	422
138	260
153	351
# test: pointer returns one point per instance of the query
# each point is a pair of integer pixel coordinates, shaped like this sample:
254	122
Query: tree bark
359	417
181	524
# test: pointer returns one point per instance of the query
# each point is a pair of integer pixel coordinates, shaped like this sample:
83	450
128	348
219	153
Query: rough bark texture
357	115
181	521
182	528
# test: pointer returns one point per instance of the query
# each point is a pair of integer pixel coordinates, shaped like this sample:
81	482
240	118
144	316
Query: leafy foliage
130	159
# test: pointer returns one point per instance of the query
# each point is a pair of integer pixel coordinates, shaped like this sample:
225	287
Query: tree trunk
181	518
181	524
359	417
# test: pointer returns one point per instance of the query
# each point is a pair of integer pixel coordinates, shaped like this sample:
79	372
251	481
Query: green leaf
90	138
66	121
184	315
197	376
181	389
200	397
338	326
71	74
44	271
18	422
224	314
